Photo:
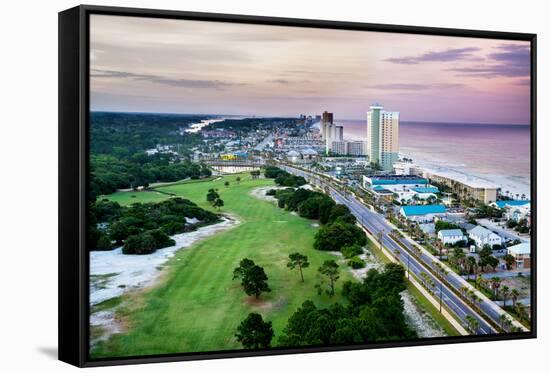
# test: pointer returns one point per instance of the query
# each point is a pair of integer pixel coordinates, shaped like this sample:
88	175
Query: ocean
498	153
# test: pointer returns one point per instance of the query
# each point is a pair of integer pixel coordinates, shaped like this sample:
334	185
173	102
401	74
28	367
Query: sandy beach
112	272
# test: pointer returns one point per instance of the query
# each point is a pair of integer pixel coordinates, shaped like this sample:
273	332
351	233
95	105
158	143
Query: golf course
195	305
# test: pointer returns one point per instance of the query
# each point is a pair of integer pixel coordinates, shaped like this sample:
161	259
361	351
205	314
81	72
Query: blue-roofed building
422	213
429	189
511	203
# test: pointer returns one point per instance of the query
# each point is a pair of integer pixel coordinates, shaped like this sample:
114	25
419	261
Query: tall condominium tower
382	136
326	122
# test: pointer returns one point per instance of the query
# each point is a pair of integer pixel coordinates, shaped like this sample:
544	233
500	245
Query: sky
179	66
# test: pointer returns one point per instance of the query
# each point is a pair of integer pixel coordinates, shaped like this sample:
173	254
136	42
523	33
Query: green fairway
127	198
197	306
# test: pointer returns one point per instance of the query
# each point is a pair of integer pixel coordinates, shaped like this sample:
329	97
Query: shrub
351	251
356	263
271	192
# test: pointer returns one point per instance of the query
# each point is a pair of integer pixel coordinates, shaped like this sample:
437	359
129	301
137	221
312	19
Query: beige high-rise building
382	137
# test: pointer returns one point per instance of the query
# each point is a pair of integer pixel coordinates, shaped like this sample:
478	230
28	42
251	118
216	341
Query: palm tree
503	321
521	310
514	295
495	285
472	266
472	325
505	293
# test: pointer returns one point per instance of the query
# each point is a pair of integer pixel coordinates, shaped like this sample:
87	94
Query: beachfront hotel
465	186
383	136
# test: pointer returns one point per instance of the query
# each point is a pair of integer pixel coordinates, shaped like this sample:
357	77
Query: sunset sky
175	66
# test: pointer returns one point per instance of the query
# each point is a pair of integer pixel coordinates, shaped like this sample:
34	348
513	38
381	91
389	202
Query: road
501	231
375	223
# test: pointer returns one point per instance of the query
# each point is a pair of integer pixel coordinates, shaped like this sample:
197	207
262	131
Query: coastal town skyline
237	69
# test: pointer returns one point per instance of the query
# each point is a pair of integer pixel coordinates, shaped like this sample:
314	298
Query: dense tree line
108	173
142	228
124	134
375	313
283	178
117	151
338	228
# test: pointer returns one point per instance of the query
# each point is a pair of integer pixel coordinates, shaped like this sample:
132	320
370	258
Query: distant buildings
383	136
521	254
451	236
327	120
356	148
483	236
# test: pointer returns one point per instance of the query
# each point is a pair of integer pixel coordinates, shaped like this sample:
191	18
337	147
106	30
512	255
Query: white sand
515	185
112	273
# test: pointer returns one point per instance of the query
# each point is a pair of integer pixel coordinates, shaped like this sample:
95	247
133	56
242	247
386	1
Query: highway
375	223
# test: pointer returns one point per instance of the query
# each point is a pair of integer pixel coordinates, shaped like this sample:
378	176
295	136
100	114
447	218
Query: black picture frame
74	105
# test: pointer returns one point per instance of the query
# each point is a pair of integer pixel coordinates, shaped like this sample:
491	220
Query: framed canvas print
236	186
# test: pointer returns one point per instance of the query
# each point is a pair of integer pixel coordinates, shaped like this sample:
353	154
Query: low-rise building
483	236
465	185
423	213
451	236
521	254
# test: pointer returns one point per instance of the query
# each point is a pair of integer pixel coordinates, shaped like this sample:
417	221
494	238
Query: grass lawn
197	306
127	198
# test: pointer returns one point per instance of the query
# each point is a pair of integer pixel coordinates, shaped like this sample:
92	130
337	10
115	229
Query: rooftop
502	204
426	190
423	209
478	230
522	248
450	232
469	180
395	180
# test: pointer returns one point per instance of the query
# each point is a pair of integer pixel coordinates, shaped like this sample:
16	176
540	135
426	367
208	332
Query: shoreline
513	184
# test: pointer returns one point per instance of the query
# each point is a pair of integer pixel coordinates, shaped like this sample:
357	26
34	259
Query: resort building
423	213
405	188
521	254
339	147
406	168
451	236
465	186
483	236
382	136
356	148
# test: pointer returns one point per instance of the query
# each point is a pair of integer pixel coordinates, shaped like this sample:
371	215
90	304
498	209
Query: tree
238	179
118	232
495	285
325	208
218	203
254	332
328	271
253	278
514	294
509	260
297	260
226	184
472	325
505	292
212	195
334	236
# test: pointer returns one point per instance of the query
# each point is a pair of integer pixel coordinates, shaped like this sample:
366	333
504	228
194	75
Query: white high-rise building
382	136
